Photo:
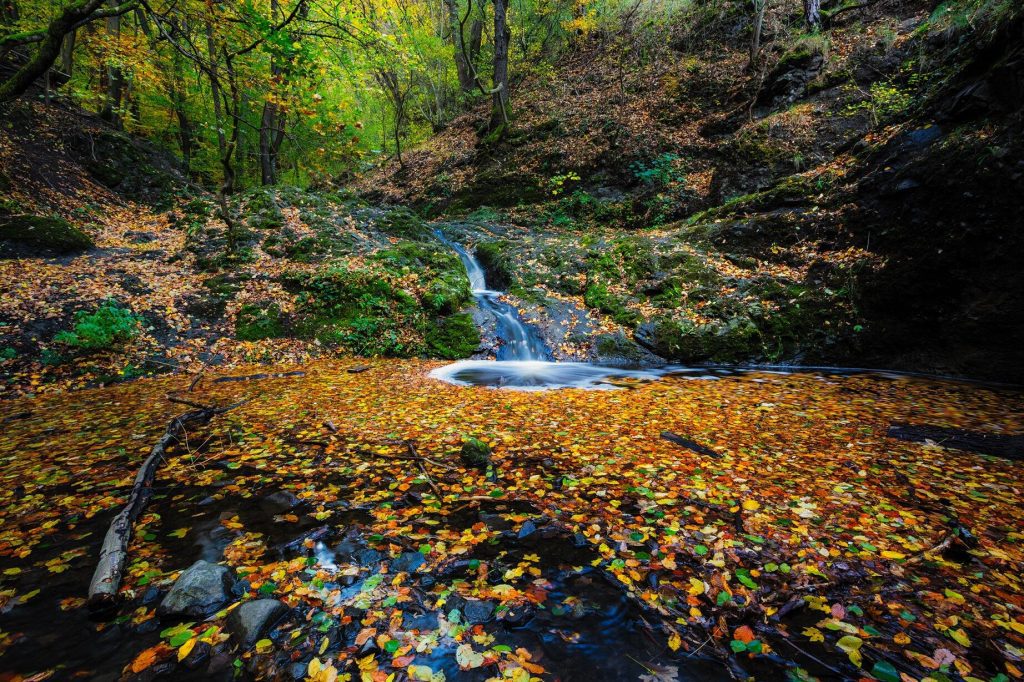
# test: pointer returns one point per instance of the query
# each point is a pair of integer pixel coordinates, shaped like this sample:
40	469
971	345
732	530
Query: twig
419	463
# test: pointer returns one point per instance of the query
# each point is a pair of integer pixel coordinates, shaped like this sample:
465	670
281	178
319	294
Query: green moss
617	346
733	340
402	222
45	232
258	322
598	296
453	338
475	453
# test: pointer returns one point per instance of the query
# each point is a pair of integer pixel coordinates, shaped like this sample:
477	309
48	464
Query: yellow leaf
751	505
264	646
675	641
186	648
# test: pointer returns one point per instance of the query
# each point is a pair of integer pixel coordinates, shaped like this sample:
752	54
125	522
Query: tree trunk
476	39
268	120
755	39
115	78
502	34
67	53
48	50
462	66
812	14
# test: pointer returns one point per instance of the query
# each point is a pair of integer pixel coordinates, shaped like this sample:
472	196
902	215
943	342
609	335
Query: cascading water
520	342
523	359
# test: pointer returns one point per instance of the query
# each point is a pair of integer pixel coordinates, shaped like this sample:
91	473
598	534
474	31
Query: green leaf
885	671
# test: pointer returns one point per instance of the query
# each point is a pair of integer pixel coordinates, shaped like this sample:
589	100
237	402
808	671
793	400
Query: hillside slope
852	198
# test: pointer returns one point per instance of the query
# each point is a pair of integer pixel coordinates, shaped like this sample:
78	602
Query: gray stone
253	619
201	589
421	622
407	562
477	611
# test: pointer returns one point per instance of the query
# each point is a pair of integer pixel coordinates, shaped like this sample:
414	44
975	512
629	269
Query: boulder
253	619
43	233
200	590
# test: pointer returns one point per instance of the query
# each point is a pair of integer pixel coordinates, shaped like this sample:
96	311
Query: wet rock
368	557
199	655
250	621
421	622
407	562
151	596
518	615
528	528
298	670
147	626
478	611
199	591
219	661
495	521
279	503
476	453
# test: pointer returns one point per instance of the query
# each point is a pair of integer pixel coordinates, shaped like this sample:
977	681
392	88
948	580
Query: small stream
519	341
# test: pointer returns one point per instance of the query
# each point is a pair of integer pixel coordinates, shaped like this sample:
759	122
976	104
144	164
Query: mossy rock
255	322
401	222
475	453
598	296
498	267
733	340
47	233
617	348
453	338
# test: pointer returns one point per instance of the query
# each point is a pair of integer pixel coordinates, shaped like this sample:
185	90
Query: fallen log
106	579
689	444
257	377
358	369
1008	447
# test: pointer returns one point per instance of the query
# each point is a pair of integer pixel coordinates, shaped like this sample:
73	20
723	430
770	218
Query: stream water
524	360
519	341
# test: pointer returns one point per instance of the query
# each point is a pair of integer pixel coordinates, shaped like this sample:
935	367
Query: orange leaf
744	634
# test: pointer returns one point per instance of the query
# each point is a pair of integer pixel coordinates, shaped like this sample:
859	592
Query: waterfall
519	341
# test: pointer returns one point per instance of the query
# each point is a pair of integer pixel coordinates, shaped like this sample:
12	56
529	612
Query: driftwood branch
106	580
689	444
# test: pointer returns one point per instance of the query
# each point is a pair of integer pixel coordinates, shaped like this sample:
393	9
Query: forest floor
805	539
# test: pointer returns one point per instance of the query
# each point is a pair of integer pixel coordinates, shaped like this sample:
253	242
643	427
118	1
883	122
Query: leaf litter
813	547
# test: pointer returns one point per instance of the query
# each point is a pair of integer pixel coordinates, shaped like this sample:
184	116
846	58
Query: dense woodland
391	340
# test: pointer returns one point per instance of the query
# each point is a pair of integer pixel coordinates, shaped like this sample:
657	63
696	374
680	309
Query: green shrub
8	353
101	329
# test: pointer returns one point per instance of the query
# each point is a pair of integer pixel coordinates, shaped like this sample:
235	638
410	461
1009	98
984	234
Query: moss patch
453	338
44	232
